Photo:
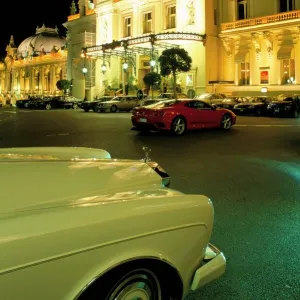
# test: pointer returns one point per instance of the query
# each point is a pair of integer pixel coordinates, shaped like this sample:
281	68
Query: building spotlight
125	66
103	68
152	63
84	70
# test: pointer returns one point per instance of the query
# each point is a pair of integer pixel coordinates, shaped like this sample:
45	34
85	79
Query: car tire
295	114
26	105
48	106
118	285
178	126
258	112
86	109
114	108
74	105
226	122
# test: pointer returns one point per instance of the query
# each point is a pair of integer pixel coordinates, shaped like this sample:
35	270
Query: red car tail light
159	113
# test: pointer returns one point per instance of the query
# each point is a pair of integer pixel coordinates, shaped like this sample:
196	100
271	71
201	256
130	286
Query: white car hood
54	178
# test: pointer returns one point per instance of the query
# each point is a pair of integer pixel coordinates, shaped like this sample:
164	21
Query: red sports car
178	116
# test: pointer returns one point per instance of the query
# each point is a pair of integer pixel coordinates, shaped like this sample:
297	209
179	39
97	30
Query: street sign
140	94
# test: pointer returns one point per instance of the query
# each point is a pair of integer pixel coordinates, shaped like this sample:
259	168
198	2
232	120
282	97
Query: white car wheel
75	105
226	122
178	126
48	106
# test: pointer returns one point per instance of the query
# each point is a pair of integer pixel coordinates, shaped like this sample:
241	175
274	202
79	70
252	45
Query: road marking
273	125
58	134
6	118
10	111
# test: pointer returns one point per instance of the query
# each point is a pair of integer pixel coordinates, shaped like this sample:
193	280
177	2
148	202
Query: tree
151	79
63	85
174	61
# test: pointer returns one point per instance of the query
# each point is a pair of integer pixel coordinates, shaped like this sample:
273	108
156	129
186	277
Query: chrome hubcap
179	126
226	122
136	287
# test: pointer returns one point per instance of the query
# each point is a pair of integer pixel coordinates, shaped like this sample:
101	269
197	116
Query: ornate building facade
122	40
34	67
259	46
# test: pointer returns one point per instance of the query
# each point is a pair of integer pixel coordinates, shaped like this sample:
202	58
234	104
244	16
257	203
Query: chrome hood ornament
146	150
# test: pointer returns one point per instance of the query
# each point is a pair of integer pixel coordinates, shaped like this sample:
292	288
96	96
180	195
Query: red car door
200	114
206	114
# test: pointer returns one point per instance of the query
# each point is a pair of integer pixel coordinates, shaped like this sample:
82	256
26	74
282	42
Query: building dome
45	40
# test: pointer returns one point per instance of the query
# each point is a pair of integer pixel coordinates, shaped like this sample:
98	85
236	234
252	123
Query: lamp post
84	72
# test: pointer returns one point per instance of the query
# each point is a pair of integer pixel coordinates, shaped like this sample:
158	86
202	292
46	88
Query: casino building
122	40
260	46
33	67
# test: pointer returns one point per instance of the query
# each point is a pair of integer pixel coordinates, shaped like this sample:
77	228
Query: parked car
178	116
255	106
285	106
211	98
92	105
23	103
230	101
118	103
1	103
167	96
59	102
100	228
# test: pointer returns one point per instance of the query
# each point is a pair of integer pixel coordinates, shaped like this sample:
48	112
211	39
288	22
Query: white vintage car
77	224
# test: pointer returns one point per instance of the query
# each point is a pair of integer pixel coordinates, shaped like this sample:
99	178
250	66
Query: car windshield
164	103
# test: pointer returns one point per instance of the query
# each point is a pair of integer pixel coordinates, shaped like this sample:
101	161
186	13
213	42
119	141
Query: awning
240	57
285	52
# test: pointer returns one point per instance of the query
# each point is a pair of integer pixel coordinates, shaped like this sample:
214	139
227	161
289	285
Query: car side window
198	105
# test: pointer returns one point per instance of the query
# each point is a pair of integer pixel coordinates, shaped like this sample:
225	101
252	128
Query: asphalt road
251	173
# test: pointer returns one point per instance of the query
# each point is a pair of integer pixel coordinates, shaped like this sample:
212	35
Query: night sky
22	18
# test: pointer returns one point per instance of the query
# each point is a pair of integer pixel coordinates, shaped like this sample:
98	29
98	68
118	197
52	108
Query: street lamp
84	71
125	66
152	63
103	68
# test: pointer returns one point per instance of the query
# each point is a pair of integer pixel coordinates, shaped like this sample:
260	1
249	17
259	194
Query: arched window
37	83
242	9
48	81
288	70
286	5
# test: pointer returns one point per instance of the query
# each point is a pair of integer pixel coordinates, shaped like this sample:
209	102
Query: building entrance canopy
145	44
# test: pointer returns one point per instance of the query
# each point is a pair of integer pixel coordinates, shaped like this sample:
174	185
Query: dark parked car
255	106
59	102
24	103
92	105
285	106
230	101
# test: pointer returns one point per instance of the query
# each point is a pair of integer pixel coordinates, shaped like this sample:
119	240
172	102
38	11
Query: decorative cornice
228	44
269	39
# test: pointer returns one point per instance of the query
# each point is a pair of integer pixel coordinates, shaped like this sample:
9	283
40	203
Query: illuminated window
171	17
245	74
147	22
286	5
288	68
127	26
242	9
